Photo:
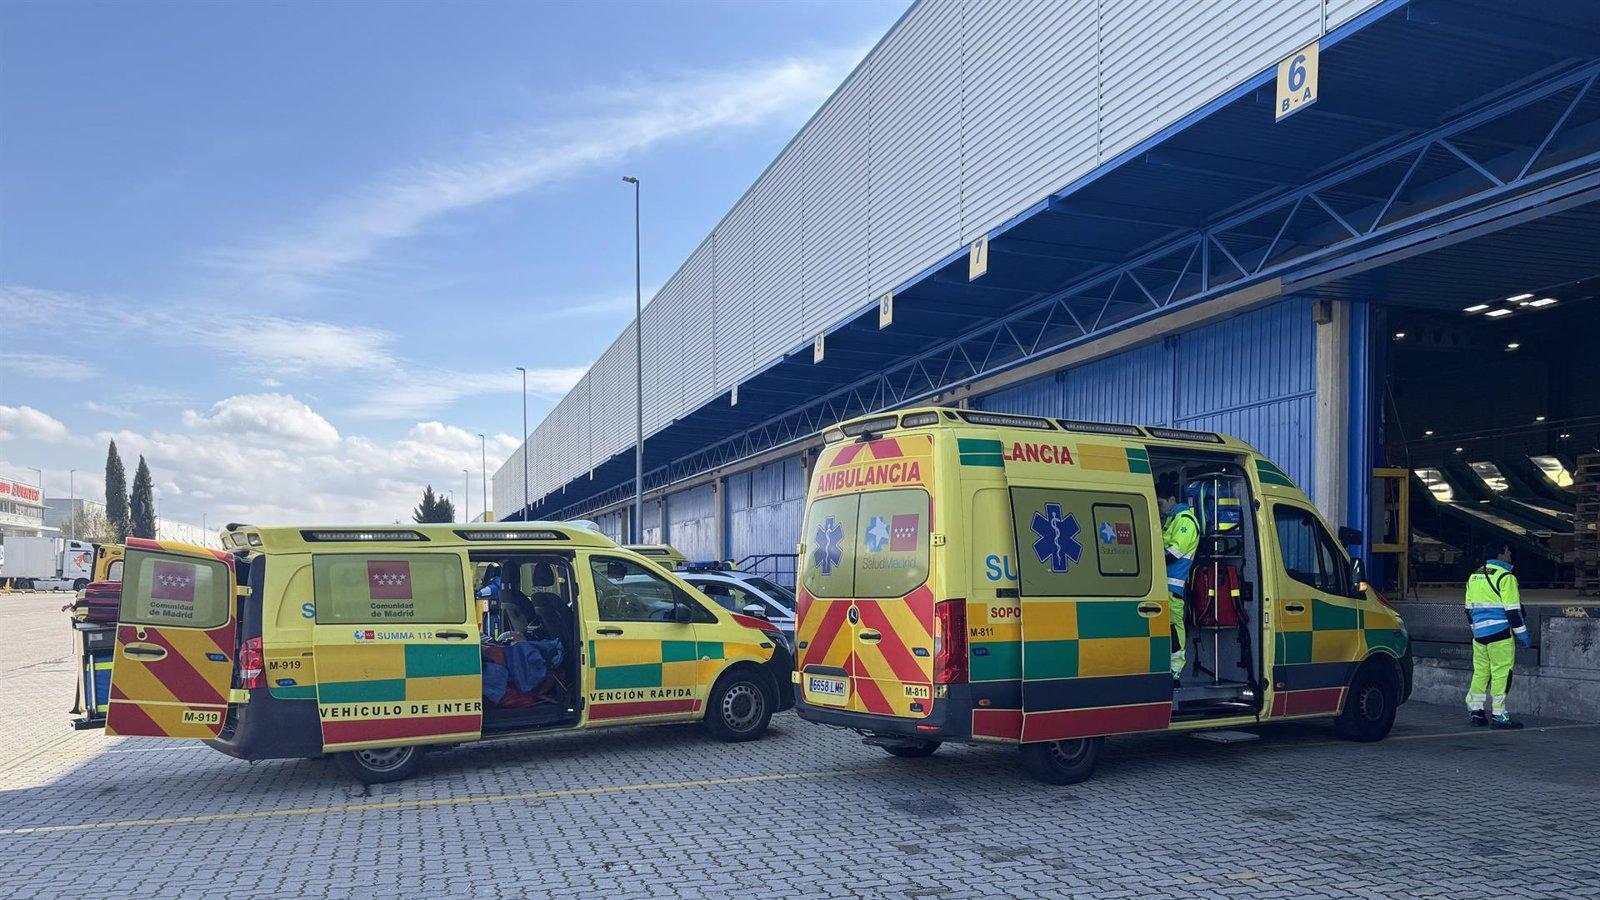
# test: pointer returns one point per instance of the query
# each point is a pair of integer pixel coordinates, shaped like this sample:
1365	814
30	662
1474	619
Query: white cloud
107	409
634	118
420	392
270	458
26	423
275	417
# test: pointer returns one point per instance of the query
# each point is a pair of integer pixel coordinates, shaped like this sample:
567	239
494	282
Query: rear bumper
950	720
269	728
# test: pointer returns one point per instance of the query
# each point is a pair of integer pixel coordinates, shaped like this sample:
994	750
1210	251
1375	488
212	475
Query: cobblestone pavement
1436	810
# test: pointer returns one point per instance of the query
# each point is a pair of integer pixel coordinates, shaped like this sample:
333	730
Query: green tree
116	493
142	504
433	508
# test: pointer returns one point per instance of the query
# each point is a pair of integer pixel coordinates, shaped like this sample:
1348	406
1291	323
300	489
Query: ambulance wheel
1062	762
1369	706
913	749
381	765
739	708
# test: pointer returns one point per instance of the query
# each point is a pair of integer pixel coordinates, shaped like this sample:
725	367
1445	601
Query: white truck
47	564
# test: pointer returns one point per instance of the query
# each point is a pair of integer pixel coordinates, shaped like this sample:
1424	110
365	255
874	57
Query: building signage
22	493
1297	81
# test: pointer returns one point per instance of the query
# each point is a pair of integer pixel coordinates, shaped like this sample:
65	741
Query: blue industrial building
1098	211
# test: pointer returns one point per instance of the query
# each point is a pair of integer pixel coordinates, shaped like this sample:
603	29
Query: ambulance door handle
608	631
871	637
144	651
1294	608
453	635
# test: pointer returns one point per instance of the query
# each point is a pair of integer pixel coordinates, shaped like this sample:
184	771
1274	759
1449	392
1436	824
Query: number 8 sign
1297	81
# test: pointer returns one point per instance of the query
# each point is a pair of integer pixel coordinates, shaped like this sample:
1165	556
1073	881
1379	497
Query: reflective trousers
1491	674
1179	633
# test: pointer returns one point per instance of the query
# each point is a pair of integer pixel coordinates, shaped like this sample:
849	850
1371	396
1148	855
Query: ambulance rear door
172	665
396	649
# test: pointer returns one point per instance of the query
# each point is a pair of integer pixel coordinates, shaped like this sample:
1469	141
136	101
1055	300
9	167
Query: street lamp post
638	374
72	502
525	503
483	473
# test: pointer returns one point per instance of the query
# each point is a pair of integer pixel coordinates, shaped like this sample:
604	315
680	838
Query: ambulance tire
913	749
382	765
1369	705
740	706
1062	762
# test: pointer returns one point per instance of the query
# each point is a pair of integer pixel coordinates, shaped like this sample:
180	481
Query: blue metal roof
1465	131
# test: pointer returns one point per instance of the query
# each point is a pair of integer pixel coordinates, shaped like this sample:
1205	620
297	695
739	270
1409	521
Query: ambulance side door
1316	636
644	662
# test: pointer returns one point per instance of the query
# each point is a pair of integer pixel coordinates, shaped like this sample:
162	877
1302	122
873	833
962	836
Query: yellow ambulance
664	555
977	576
374	642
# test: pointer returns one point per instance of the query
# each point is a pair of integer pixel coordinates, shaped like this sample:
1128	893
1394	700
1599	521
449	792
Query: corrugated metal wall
1251	376
967	113
766	509
650	533
614	525
692	522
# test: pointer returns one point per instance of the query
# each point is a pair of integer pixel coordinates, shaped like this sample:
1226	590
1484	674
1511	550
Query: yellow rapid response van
664	555
375	641
973	576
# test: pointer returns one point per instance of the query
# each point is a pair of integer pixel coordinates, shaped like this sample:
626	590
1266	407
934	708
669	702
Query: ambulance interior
1222	598
530	640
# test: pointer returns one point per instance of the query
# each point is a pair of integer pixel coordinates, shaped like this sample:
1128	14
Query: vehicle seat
553	609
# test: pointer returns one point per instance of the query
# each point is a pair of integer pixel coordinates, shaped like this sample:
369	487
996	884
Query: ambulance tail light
950	642
252	665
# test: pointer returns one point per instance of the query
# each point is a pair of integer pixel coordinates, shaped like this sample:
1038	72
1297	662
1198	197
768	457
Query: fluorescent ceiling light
1428	433
1497	313
1513	345
1477	307
1519	298
1398	335
1459	449
1543	302
1538	418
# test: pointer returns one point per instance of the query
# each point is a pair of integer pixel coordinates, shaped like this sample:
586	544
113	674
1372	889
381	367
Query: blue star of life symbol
830	545
1056	543
1108	534
877	534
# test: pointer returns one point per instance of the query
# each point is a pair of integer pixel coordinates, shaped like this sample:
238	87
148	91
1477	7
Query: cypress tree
433	508
116	493
142	504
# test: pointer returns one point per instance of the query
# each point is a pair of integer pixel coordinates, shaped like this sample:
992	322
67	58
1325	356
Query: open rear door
396	647
172	667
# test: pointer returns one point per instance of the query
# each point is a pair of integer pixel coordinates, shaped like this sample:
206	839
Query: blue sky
292	252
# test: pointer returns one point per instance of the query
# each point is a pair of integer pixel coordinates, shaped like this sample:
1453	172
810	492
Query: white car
738	591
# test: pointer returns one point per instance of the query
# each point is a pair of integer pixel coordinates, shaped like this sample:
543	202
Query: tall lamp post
525	503
638	374
72	502
483	474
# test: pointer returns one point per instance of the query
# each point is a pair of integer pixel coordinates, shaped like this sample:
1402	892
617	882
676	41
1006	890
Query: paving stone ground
1438	810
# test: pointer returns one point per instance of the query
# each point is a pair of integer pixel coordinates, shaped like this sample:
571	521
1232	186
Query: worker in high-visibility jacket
1180	535
1494	608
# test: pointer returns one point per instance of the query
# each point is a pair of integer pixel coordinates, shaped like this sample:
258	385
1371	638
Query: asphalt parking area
1438	809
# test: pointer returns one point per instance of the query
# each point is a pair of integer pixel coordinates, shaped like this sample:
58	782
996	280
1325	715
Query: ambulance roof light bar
334	536
507	534
1006	420
1184	434
1100	427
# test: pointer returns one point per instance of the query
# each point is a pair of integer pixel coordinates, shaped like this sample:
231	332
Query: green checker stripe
1050	659
1138	461
436	660
294	692
980	452
677	651
1326	616
1002	662
712	650
1161	654
1111	619
1271	474
382	690
1294	647
1386	639
644	675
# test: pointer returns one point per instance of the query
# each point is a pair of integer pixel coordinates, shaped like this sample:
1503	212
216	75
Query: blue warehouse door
765	509
1251	376
692	522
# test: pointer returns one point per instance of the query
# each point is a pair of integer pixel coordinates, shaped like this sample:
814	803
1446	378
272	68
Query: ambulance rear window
404	588
869	546
163	589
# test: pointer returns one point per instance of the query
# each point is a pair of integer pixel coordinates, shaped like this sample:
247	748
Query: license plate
827	689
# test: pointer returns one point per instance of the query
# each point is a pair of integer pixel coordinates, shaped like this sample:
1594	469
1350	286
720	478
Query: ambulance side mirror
755	610
681	613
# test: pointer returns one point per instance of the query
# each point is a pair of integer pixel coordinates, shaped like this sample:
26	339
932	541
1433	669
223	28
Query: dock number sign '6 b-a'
1297	81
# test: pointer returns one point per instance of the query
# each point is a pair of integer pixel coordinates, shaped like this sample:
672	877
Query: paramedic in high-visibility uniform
1494	608
1180	535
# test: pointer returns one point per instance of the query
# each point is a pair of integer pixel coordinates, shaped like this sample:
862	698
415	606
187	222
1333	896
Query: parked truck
47	564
